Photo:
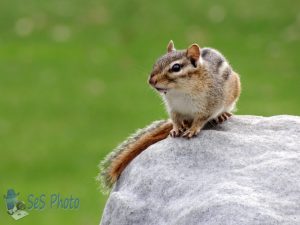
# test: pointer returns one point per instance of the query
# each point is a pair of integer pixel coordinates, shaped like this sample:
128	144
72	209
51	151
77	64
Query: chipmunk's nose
152	80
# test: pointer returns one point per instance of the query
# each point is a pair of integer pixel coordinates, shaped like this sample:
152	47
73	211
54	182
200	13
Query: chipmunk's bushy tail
115	162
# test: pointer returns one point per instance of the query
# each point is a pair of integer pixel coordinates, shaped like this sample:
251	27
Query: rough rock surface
245	171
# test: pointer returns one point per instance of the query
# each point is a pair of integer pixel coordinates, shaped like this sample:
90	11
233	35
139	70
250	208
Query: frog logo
15	208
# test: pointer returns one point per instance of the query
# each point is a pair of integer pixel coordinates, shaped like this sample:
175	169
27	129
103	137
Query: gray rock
245	171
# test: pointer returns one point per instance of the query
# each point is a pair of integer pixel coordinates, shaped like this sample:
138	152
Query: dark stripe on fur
226	73
204	52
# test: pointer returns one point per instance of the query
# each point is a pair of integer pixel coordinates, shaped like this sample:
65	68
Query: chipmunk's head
172	69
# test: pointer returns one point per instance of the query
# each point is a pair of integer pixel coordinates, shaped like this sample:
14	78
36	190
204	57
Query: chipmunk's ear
171	46
193	53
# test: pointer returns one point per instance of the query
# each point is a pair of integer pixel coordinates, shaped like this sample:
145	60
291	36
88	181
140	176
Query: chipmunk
197	86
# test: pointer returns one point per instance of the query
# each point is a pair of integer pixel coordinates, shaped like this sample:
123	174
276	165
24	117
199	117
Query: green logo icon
15	208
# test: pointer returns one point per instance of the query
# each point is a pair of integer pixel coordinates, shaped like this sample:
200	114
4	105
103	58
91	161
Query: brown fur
234	88
122	160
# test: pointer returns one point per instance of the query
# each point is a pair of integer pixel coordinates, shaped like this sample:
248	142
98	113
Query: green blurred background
73	82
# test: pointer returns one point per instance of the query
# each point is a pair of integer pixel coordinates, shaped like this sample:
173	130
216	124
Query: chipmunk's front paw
175	132
191	133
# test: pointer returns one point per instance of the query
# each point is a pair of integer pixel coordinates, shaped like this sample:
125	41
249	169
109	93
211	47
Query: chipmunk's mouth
161	90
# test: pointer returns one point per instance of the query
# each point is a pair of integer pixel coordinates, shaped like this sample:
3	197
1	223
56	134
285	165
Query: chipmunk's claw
222	118
175	132
190	133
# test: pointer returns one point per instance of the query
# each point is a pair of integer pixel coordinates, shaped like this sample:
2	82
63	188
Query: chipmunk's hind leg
222	118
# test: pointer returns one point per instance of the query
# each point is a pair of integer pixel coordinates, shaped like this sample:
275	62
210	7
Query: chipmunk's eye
176	67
